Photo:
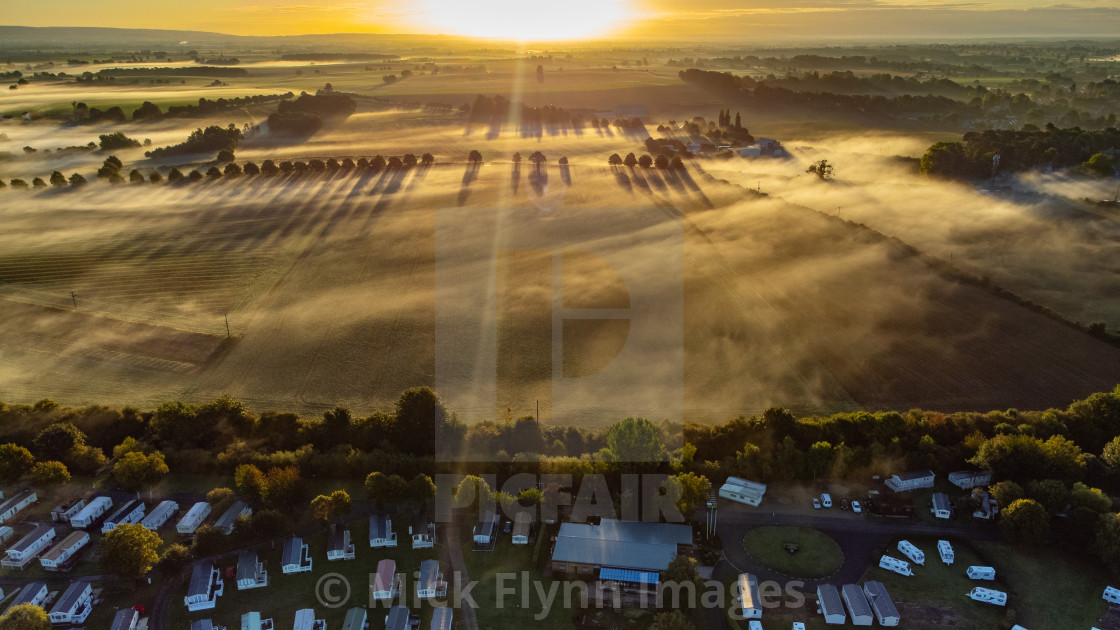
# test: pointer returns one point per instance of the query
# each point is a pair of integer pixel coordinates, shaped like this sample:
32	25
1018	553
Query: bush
118	140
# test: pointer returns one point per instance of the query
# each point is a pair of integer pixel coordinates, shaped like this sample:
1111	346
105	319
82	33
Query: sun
526	21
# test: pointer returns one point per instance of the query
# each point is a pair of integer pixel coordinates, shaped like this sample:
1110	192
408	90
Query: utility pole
227	325
74	297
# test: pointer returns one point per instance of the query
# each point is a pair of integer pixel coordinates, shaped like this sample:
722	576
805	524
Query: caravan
900	567
917	556
91	512
981	573
988	596
946	551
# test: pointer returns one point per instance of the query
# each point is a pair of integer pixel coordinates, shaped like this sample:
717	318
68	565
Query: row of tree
662	161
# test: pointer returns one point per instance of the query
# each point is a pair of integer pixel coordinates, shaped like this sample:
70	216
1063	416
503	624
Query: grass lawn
818	555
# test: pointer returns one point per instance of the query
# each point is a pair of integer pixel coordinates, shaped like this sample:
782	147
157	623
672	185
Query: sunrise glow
521	21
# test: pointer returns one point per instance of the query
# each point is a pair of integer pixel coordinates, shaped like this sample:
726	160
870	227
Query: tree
284	488
614	160
219	498
136	471
50	474
517	158
58	180
676	164
136	177
630	160
1100	164
427	159
409	160
661	162
944	159
377	163
155	178
174	175
213	172
25	617
563	161
395	164
15	462
38	182
130	550
645	161
174	559
1051	493
1007	492
1025	522
251	168
58	441
146	111
232	170
195	175
634	440
681	570
693	490
383	488
77	180
268	167
250	482
1106	542
1091	498
674	620
113	141
421	488
537	158
822	169
474	156
225	155
336	505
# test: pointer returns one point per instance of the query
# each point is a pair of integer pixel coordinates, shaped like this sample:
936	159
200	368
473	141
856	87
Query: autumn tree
130	550
15	462
1025	522
136	471
25	617
50	474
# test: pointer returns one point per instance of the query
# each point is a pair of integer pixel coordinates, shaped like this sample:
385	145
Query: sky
580	20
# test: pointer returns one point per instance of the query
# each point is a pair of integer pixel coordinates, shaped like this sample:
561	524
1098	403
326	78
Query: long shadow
622	179
690	184
639	179
469	177
515	177
565	175
656	181
418	175
538	181
383	177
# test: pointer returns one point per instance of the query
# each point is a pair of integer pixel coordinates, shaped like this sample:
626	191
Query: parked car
826	500
856	507
816	503
506	528
844	505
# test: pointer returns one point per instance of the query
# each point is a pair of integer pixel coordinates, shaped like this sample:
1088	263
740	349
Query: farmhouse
225	523
193	518
205	587
881	604
522	527
441	618
34	593
91	512
23	552
67	509
296	557
941	506
386	582
125	619
250	571
13	506
486	527
60	556
253	621
829	605
583	549
858	608
339	546
75	604
131	512
355	619
160	515
430	583
911	481
305	620
969	479
743	491
397	619
423	532
749	598
381	532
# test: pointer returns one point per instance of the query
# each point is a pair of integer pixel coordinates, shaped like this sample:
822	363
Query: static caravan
67	509
980	573
941	507
945	549
917	556
750	602
988	596
386	582
430	583
131	512
34	593
23	552
205	624
160	515
742	491
969	479
6	534
305	620
858	608
205	587
250	571
225	522
881	605
91	512
60	556
75	604
355	619
398	618
905	482
423	532
486	527
339	546
193	518
441	618
1111	595
13	506
253	621
381	532
830	606
125	619
895	565
522	527
296	558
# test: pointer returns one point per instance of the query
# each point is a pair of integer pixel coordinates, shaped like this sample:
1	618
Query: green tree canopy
137	471
50	474
130	550
15	462
25	617
1025	522
634	440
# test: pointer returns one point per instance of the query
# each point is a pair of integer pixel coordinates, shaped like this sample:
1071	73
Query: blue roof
634	577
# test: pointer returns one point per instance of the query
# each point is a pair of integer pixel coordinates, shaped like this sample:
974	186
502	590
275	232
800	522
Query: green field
817	555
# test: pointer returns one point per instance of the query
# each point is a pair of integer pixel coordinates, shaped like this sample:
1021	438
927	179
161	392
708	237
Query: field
816	556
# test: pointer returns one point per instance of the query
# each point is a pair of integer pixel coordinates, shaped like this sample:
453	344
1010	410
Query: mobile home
6	534
941	507
1111	595
858	608
969	479
225	522
60	556
895	565
75	604
945	550
522	527
988	596
381	532
67	509
253	621
339	546
398	618
13	506
125	619
830	606
305	620
423	532
131	512
980	573
750	602
91	512
885	611
296	558
355	619
905	482
23	552
386	582
485	528
193	518
34	593
917	556
160	515
430	583
441	618
205	587
742	491
250	571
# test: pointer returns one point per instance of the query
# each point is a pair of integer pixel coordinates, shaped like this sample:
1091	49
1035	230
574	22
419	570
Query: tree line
1024	149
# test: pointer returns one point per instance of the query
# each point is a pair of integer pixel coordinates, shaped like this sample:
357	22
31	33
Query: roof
93	506
969	474
247	565
633	577
397	618
231	514
879	600
745	485
200	579
12	502
66	544
748	590
202	624
355	619
621	544
305	618
429	570
28	593
386	571
124	510
857	603
522	523
30	539
293	550
71	596
378	527
941	501
910	476
196	510
125	618
336	540
441	618
829	599
486	524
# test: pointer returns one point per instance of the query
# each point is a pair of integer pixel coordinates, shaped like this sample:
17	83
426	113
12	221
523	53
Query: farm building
225	522
752	151
742	491
296	557
250	571
988	596
160	515
23	552
441	618
397	619
13	506
969	479
91	512
355	619
125	619
6	534
1111	595
423	532
430	582
205	587
905	482
131	512
750	601
253	621
60	556
830	606
881	604
67	509
769	147
522	527
583	549
386	582
339	546
381	532
917	556
305	620
980	573
34	593
858	608
895	565
486	527
946	551
75	604
193	518
941	508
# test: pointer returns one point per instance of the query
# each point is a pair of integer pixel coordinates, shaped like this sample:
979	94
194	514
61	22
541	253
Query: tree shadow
538	181
470	175
419	172
622	179
638	179
565	175
515	177
656	181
